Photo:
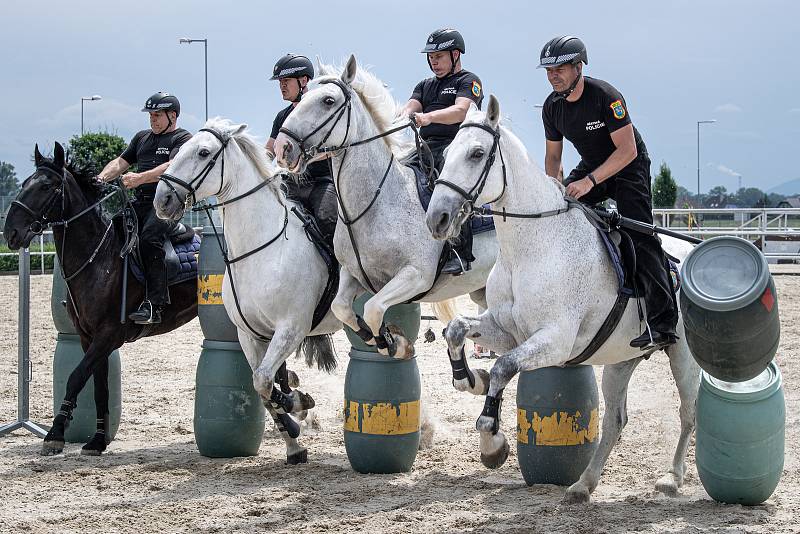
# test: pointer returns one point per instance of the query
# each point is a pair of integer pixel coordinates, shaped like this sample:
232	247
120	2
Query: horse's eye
45	186
204	153
329	100
478	153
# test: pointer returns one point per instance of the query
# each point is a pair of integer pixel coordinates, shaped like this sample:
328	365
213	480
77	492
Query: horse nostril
444	219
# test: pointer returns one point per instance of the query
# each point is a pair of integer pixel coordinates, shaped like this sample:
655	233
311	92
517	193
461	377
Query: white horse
386	249
550	291
270	259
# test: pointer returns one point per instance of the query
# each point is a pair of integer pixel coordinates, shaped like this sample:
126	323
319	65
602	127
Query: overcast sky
675	62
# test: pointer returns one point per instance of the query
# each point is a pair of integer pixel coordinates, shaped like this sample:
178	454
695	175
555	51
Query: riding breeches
630	188
152	234
319	197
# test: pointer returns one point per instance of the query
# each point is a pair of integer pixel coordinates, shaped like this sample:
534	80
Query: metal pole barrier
24	366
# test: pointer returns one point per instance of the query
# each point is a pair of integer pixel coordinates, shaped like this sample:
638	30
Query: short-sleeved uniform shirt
589	122
440	93
148	150
315	170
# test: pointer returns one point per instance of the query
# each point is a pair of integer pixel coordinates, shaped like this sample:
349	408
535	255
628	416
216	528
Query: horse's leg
97	445
687	377
544	349
93	353
342	305
615	395
485	328
407	283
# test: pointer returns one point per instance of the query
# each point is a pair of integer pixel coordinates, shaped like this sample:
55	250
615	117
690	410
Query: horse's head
321	119
39	202
196	172
473	172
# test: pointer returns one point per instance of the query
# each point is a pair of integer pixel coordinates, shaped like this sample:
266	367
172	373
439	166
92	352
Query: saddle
180	256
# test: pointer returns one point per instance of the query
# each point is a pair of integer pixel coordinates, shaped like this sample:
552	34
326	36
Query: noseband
197	181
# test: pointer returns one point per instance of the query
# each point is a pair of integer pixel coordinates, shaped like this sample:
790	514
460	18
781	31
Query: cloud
794	110
104	114
727	170
727	108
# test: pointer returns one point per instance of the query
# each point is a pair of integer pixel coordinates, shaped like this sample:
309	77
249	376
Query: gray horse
550	291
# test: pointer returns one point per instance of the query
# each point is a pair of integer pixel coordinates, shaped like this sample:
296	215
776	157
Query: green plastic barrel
67	356
214	320
228	413
382	400
730	308
740	437
558	425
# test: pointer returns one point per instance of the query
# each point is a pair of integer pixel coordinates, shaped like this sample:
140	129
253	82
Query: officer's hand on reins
579	188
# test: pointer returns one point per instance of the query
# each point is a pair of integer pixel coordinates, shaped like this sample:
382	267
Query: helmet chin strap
168	126
565	94
299	91
452	64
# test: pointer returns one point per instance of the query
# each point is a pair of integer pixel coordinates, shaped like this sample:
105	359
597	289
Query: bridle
192	186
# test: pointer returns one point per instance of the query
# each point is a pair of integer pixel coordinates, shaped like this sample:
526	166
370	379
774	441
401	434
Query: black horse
88	245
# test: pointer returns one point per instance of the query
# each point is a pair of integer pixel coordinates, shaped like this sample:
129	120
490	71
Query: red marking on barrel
768	300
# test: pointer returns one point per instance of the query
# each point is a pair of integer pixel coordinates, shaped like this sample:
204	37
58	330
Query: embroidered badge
476	89
618	109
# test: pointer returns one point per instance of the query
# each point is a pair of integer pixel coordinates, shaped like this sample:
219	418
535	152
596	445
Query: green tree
95	150
665	190
749	197
8	180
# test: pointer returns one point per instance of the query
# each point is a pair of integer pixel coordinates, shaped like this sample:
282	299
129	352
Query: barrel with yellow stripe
558	426
229	416
382	400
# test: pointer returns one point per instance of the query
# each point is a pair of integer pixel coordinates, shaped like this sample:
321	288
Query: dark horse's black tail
319	349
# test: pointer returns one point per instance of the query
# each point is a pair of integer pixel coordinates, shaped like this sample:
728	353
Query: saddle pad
181	260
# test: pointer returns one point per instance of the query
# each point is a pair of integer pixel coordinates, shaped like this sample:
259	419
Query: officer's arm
625	152
114	168
412	106
454	114
552	158
151	176
271	148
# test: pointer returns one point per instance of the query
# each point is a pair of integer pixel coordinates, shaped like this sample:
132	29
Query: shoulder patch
476	89
618	109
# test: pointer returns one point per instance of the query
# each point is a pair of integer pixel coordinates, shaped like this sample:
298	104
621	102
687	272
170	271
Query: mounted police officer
315	191
151	150
439	105
594	117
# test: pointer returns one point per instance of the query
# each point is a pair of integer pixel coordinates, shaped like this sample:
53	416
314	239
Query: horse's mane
379	103
252	149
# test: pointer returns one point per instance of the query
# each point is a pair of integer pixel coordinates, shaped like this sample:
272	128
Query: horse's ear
493	112
37	156
239	129
350	69
58	156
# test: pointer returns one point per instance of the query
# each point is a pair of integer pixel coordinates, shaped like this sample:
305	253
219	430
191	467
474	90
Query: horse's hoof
576	494
668	485
496	459
51	448
294	380
306	402
90	452
404	349
96	446
300	457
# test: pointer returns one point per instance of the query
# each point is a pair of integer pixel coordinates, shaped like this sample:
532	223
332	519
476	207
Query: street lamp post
83	99
711	121
187	40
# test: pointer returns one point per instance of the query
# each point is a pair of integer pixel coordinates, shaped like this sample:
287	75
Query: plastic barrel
214	320
730	308
558	425
228	413
382	400
67	356
740	437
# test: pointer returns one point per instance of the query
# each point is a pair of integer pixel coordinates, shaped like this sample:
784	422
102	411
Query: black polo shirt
316	169
440	93
589	122
148	150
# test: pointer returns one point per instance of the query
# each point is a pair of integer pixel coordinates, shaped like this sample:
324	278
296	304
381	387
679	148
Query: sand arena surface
152	478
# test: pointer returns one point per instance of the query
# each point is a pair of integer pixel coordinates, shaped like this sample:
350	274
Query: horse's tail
445	310
319	349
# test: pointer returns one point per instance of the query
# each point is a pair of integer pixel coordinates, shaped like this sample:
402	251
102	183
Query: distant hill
790	188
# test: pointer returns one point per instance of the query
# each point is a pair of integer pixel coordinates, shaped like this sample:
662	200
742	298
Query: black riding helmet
564	50
161	101
293	66
445	40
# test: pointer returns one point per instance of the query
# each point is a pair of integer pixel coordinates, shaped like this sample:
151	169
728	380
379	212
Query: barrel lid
724	273
761	386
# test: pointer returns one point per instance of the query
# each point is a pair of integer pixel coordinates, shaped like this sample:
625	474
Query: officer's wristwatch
592	179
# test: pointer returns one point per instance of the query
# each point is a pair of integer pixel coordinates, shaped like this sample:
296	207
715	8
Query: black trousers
463	244
630	188
317	195
152	234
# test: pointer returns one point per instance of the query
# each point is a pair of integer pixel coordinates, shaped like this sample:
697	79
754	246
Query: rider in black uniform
151	151
315	191
439	106
594	117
